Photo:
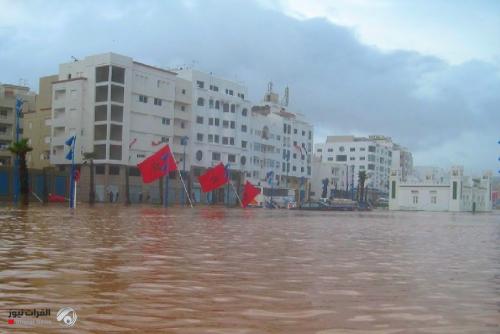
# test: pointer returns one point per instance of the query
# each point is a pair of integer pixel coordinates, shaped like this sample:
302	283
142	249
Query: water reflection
253	271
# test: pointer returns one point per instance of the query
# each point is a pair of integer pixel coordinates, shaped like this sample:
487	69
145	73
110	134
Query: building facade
122	111
348	155
8	95
37	125
455	193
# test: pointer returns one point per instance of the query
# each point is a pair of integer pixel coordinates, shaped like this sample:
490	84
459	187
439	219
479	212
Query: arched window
201	101
199	155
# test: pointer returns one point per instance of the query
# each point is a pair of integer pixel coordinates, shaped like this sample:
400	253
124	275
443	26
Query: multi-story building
121	110
220	130
37	125
282	143
348	155
8	95
456	193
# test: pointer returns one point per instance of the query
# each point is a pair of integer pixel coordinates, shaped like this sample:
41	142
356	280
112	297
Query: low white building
454	193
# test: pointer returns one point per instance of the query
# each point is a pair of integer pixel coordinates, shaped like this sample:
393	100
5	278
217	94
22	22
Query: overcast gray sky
426	73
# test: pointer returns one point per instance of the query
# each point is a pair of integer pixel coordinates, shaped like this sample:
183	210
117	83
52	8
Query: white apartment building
282	143
455	192
348	155
124	110
221	122
120	109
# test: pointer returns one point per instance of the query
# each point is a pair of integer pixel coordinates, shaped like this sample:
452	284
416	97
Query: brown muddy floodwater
217	270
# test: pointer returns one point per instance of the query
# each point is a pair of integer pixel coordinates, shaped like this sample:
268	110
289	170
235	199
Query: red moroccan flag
157	165
213	178
249	193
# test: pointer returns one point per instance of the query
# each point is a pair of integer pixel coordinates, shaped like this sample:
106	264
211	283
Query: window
225	107
115	152
183	108
215	156
217	121
165	121
116	113
117	74
157	101
210	121
243	128
244	112
216	139
214	88
294	168
352	158
211	103
362	149
361	158
243	160
101	93
231	140
117	93
330	150
143	98
341	157
100	113
225	140
114	170
244	144
303	133
433	199
371	149
99	169
233	124
225	124
231	158
210	138
100	132
115	132
200	84
352	149
415	199
101	73
100	152
371	167
200	102
330	159
454	189
183	92
164	139
233	108
199	155
341	148
199	136
217	104
199	119
393	189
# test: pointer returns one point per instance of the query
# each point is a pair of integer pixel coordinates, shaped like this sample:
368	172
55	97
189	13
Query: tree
361	183
20	149
90	156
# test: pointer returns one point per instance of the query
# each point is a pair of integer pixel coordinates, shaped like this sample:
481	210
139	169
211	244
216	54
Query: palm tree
361	183
20	149
90	156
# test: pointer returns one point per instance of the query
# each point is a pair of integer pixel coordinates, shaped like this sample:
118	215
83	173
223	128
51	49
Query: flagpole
236	193
182	180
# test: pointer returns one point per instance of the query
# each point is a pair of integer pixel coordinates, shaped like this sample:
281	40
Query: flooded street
217	270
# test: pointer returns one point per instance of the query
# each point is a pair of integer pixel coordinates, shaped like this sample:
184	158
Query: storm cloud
444	113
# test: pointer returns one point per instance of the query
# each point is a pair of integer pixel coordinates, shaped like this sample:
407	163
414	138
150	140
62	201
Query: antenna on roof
286	97
74	58
270	87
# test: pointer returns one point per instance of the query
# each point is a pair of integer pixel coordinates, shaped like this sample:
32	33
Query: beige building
8	94
37	125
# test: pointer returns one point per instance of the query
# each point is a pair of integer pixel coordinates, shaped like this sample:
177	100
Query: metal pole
227	187
352	183
19	107
184	169
165	190
72	176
